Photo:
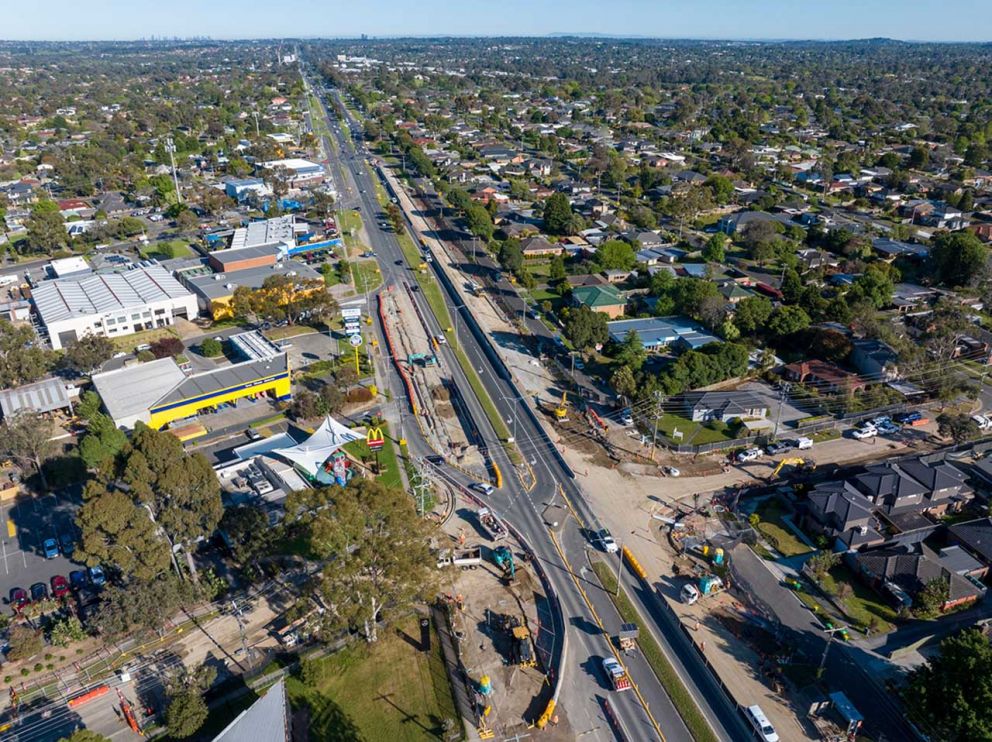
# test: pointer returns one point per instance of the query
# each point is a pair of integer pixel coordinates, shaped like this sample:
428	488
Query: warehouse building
215	291
46	395
112	305
158	393
300	173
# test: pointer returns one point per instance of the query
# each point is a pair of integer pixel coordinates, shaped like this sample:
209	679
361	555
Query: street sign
356	340
375	439
351	312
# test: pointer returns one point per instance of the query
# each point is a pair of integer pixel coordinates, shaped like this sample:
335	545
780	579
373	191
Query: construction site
498	615
433	396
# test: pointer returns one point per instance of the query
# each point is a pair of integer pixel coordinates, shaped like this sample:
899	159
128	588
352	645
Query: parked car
51	548
60	587
482	488
777	447
863	434
77	579
757	719
604	539
749	454
67	543
19	598
908	418
803	443
982	422
97	576
39	591
671	471
887	428
253	435
627	416
435	459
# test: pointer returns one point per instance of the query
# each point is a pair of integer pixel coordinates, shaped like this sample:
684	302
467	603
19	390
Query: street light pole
619	564
783	393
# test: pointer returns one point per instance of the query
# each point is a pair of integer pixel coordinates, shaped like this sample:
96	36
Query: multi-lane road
590	619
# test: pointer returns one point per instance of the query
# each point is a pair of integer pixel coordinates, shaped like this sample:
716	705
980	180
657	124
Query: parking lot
27	522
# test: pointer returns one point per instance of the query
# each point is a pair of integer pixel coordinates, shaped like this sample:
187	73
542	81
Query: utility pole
170	147
241	630
420	484
826	648
783	394
658	400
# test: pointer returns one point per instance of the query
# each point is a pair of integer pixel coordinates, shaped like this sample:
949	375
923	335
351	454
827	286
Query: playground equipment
503	558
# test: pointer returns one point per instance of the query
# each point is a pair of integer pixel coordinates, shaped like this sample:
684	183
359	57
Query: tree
27	438
88	353
102	442
186	221
284	297
615	255
117	531
305	406
875	285
511	256
918	158
331	399
248	529
557	273
22	360
25	642
714	251
585	327
630	351
167	347
479	221
557	214
212	347
181	489
88	405
67	630
787	320
958	257
85	735
141	606
792	286
751	314
186	712
931	599
376	551
690	295
46	227
760	231
958	427
821	563
951	695
722	188
624	381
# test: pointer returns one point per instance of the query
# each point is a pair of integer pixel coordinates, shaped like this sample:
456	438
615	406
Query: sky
932	20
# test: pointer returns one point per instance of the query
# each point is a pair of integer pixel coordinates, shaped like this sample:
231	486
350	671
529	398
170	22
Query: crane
807	464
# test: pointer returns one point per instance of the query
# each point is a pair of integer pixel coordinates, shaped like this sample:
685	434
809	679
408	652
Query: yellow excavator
800	464
561	411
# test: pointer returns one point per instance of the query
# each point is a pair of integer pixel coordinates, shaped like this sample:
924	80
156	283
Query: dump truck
492	525
522	653
467	558
616	674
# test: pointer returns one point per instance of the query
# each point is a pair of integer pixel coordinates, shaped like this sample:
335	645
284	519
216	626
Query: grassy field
680	696
319	122
776	531
348	221
693	433
387	459
289	331
862	603
166	250
365	275
385	691
129	342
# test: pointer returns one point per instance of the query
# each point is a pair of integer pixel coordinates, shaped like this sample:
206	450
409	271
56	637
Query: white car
865	433
756	717
749	454
982	421
606	541
481	488
441	339
671	471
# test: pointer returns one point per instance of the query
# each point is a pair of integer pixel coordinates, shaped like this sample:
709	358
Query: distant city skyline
922	20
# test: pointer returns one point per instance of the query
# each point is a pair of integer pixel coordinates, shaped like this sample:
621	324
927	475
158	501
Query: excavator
800	464
561	411
503	558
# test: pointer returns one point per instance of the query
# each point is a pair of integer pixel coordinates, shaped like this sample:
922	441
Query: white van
803	443
689	593
756	717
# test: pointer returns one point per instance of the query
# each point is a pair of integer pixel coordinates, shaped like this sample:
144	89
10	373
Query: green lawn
692	433
677	692
390	476
166	250
385	691
349	220
289	331
365	275
128	343
777	532
862	603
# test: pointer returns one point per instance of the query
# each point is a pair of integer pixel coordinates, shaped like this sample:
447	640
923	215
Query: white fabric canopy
316	449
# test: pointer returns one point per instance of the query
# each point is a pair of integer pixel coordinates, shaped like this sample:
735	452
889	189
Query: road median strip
667	676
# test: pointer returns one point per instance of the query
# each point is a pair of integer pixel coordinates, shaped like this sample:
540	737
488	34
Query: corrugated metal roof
210	382
43	396
131	391
98	294
266	720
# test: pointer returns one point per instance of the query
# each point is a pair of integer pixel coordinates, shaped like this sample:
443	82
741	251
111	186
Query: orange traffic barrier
100	690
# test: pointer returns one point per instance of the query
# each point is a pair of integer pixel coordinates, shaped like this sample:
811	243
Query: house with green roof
605	298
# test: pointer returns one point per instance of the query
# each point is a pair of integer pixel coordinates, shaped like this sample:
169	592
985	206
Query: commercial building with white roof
112	305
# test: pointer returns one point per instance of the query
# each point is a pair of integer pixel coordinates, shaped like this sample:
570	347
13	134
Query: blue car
97	577
51	547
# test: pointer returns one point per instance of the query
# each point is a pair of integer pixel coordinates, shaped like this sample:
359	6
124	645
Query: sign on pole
355	340
375	439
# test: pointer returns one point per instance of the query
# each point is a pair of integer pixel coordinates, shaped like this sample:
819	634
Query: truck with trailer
492	525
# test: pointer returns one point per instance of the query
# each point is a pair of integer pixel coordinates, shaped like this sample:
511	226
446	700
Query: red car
60	587
19	598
